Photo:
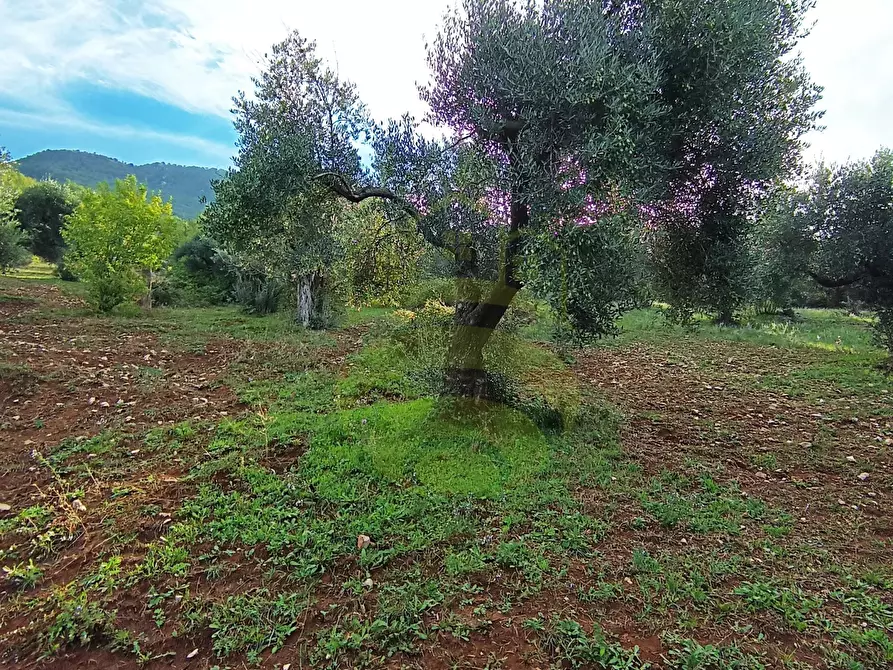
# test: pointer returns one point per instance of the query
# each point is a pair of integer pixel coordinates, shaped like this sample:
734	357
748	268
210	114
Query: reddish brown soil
74	377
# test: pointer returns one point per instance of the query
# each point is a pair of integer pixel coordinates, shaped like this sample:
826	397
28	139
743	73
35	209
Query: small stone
872	494
287	666
79	506
91	401
863	476
368	583
802	519
762	475
4	507
851	459
363	541
841	502
103	404
134	452
192	654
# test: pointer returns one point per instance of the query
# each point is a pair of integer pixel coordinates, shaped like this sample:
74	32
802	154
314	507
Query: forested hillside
186	185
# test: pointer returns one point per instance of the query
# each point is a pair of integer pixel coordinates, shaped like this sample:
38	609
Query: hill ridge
185	184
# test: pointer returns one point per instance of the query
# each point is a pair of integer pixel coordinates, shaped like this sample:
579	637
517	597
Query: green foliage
568	641
79	619
13	252
253	622
849	208
114	235
13	245
186	186
382	256
780	247
42	210
12	182
257	295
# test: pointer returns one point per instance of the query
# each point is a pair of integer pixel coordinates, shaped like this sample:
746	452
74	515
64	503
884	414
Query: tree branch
827	282
339	185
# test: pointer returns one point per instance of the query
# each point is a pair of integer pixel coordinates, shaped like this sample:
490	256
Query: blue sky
153	81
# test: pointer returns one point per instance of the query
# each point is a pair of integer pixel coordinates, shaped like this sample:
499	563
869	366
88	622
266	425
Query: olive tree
301	121
850	213
564	123
739	102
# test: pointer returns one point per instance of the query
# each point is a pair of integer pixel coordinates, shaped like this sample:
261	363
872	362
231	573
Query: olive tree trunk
311	300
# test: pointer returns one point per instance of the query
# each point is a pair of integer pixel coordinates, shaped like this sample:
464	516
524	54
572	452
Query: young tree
850	211
562	117
13	244
42	209
117	237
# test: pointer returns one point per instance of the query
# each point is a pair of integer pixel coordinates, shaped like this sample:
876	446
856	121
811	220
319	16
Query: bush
13	253
258	295
108	290
431	290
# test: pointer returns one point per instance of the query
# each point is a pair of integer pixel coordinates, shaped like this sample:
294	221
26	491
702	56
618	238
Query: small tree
13	245
42	209
850	211
117	237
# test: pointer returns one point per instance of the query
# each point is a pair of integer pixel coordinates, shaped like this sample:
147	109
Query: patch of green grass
251	622
309	391
567	642
847	374
701	506
478	455
380	371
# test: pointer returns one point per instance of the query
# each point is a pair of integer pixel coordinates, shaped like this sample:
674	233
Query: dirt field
198	489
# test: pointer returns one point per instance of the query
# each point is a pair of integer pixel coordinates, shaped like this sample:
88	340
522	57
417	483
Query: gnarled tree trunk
309	291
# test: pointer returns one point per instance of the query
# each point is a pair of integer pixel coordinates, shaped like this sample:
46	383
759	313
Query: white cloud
197	53
218	154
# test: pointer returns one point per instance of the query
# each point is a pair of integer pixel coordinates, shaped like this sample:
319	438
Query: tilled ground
705	408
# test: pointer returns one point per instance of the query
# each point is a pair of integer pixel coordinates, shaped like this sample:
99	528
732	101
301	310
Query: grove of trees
566	126
596	154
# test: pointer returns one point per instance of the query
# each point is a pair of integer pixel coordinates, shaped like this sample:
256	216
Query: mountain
186	185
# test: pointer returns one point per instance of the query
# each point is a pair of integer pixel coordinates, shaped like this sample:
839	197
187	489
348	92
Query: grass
342	516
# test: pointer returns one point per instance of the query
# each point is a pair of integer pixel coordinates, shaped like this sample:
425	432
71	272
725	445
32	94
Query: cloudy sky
152	81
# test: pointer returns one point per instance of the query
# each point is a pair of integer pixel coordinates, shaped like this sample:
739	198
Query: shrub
13	253
258	295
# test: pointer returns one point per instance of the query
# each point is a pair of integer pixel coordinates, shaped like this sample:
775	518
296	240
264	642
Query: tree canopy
849	211
41	211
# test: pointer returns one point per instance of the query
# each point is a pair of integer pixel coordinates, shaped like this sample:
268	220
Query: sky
153	81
